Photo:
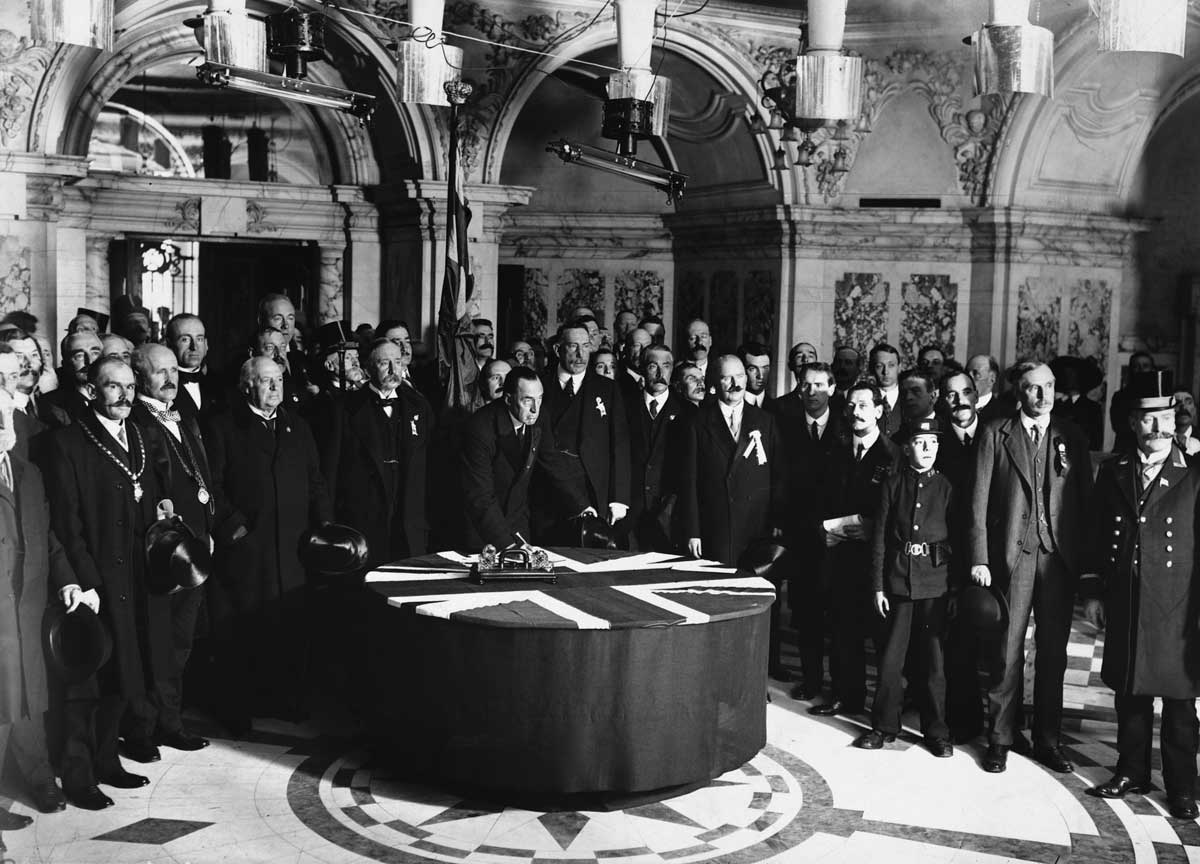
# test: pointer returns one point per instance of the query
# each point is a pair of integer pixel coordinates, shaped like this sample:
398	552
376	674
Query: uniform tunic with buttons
913	508
1145	556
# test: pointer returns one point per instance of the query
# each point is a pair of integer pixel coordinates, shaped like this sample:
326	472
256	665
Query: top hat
594	533
333	549
980	609
924	426
334	336
1087	374
76	644
100	318
761	559
176	559
1152	391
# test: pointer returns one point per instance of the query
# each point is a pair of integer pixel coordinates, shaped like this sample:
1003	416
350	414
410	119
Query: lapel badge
413	424
1163	482
603	411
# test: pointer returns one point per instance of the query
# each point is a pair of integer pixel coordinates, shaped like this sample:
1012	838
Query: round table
631	673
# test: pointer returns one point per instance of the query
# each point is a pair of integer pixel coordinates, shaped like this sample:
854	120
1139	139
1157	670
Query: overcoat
730	497
33	567
1145	555
353	461
275	481
102	528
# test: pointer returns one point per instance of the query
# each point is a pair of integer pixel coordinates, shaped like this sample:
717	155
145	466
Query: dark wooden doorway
234	276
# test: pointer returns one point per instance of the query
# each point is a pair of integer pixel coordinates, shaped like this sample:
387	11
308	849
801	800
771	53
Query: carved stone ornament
22	64
256	219
187	217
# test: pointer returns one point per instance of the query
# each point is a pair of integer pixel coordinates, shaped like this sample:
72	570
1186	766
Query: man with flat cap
1144	595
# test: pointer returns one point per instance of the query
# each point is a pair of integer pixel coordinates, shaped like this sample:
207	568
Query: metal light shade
1142	25
781	160
77	22
829	86
806	153
1014	58
233	39
644	86
423	72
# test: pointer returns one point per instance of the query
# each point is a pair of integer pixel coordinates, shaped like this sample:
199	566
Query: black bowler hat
334	336
1152	391
925	426
76	644
981	609
333	549
761	559
176	559
594	533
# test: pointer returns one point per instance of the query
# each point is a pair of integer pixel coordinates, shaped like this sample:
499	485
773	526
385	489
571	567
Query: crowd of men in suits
677	450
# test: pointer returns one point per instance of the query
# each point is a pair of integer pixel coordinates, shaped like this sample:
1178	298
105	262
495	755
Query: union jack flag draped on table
456	347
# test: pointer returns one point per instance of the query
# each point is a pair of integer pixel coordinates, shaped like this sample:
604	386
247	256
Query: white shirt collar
1027	422
1153	459
755	398
661	398
868	441
113	427
20	400
892	395
970	430
563	375
703	367
983	401
730	411
154	403
821	421
380	393
263	414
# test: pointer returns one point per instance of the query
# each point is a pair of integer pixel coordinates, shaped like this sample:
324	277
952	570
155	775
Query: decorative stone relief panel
1089	320
929	315
1039	307
537	289
581	288
758	320
21	67
860	310
16	278
723	310
640	291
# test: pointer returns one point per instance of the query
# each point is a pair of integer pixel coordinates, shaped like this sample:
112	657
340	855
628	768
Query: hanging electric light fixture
231	37
424	62
76	22
1012	55
1142	25
828	80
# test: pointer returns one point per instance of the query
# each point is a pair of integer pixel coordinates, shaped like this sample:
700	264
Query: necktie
966	439
1035	435
569	388
815	430
121	438
189	377
6	476
735	426
32	408
269	422
387	404
859	454
653	409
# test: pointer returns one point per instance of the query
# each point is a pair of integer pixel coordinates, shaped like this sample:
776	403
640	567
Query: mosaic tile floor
289	794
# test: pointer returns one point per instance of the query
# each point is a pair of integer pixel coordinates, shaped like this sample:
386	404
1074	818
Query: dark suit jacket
353	461
957	461
60	407
810	463
898	522
853	486
1002	495
655	453
602	443
726	497
32	565
1087	415
495	474
276	483
1001	406
103	530
212	398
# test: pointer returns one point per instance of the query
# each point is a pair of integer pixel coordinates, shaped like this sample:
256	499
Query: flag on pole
456	345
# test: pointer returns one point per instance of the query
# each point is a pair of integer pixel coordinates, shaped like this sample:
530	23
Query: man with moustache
624	324
689	382
956	460
105	481
985	375
847	367
271	343
1032	479
588	418
656	417
653	325
813	431
277	311
13	369
263	456
799	356
632	346
733	480
31	563
521	353
376	460
485	340
756	360
199	393
884	363
1140	363
857	469
116	347
156	719
918	395
23	389
699	343
79	351
489	386
1144	597
502	444
1185	419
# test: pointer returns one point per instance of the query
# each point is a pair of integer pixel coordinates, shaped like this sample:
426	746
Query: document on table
846	527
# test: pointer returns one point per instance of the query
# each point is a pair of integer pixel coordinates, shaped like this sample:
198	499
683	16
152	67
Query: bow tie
170	415
388	402
190	377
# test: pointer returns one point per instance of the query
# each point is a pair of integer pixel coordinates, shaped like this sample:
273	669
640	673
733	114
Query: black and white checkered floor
290	794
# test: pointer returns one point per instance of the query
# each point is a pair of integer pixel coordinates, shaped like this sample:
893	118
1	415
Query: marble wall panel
537	290
860	310
580	287
929	315
16	275
640	291
1089	320
1039	306
723	310
758	304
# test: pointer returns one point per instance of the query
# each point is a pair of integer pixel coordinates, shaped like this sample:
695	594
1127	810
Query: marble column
98	291
331	293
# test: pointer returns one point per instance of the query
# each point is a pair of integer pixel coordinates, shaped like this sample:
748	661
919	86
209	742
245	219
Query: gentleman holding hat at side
30	558
1145	557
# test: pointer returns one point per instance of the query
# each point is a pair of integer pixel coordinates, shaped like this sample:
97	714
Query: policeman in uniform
1143	591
